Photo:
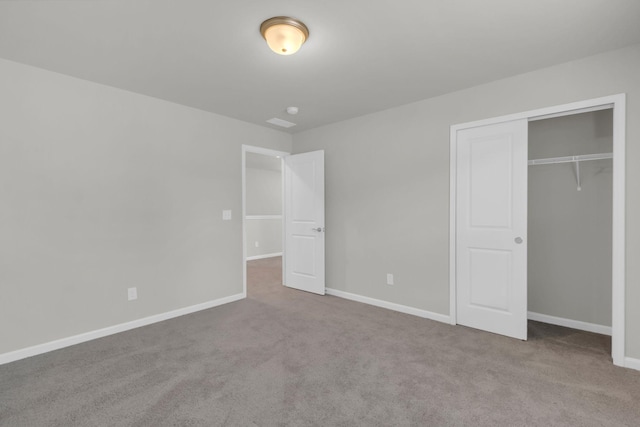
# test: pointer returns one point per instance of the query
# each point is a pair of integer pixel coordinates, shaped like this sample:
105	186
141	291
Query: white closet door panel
489	283
489	182
491	218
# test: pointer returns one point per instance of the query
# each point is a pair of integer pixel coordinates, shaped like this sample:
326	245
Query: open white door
304	221
491	228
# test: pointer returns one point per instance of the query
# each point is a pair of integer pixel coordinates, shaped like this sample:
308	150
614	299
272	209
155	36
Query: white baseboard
251	258
389	305
631	363
568	323
92	335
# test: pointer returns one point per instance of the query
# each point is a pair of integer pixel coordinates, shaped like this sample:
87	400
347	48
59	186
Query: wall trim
35	350
569	323
275	254
258	217
631	363
389	305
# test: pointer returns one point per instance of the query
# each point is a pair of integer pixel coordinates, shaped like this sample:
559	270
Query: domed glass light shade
284	35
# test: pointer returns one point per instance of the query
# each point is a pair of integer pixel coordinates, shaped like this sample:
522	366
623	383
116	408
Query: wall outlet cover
132	294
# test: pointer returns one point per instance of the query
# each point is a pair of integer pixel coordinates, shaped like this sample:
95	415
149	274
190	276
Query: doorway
262	217
294	205
513	278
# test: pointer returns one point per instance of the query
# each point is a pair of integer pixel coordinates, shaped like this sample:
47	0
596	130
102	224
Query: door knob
518	240
319	229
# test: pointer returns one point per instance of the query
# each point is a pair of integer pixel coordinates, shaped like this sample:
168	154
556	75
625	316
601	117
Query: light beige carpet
286	357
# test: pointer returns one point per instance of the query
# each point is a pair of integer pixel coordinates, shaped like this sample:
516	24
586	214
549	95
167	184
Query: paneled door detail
491	228
304	221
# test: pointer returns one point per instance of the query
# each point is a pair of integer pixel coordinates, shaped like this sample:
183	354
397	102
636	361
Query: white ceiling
362	55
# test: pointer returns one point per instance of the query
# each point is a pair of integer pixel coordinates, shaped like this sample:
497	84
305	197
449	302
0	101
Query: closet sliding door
491	228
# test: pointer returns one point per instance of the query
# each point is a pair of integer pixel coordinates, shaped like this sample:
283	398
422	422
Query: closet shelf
572	159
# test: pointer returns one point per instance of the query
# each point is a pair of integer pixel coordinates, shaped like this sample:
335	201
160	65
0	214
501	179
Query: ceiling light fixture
284	35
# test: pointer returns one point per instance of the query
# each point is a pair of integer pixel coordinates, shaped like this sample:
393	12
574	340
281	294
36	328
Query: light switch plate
226	215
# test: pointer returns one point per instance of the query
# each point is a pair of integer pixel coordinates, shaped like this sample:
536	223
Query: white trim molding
389	305
569	323
275	254
631	363
35	350
618	238
453	188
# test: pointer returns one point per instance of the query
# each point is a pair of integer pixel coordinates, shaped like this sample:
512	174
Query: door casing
618	280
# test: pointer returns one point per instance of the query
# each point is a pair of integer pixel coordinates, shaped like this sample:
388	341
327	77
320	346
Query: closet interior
570	201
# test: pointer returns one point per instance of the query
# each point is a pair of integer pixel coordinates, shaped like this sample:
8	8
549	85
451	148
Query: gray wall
263	197
102	190
387	180
268	232
264	188
569	250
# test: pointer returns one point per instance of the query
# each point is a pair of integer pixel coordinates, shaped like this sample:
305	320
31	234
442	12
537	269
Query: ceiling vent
279	122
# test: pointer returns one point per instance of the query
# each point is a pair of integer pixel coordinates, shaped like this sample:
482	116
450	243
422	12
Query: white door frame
267	152
618	280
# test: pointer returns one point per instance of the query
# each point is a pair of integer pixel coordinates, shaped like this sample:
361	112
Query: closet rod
570	159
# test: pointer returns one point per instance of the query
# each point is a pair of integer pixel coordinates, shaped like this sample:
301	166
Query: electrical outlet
132	293
226	215
257	244
389	279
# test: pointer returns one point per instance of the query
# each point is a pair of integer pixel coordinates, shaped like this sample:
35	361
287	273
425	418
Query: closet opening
570	205
550	182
